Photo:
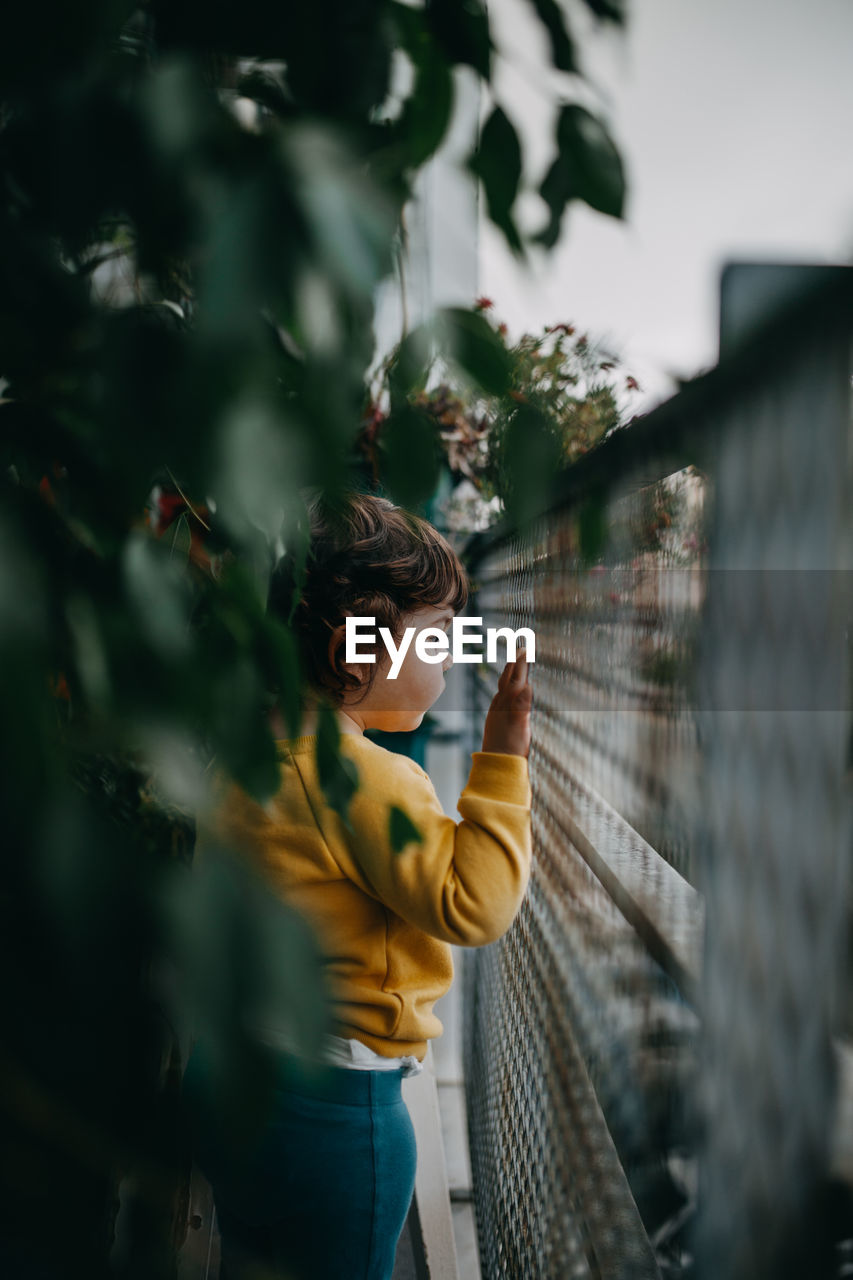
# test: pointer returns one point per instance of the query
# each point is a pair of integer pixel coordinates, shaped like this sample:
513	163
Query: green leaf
497	162
338	775
562	50
242	736
409	449
588	167
261	463
608	10
284	657
426	112
401	829
351	216
462	29
246	960
474	344
410	367
531	460
409	23
157	591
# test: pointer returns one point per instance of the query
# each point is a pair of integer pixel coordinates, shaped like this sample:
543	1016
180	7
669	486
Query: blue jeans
324	1193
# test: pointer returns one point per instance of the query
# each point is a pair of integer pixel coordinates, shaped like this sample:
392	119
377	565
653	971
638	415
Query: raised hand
507	727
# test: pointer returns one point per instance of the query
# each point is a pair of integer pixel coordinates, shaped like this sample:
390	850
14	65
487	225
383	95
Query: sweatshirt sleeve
464	882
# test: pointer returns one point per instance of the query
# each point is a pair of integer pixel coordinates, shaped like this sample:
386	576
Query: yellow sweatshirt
385	919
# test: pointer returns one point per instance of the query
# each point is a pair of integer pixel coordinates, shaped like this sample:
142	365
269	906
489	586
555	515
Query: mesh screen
668	1010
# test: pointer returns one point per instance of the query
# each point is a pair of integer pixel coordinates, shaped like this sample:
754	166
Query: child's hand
507	727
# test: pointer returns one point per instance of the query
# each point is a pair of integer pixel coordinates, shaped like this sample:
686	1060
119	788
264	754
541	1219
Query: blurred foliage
198	202
505	417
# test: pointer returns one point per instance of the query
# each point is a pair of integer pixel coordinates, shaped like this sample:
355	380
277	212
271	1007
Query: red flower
483	304
165	509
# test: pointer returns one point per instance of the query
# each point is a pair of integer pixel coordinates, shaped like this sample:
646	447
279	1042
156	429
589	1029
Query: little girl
326	1194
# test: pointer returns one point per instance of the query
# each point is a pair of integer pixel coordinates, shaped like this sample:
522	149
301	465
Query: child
327	1194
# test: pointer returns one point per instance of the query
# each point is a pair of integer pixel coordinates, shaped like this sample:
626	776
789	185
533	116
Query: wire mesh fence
655	1055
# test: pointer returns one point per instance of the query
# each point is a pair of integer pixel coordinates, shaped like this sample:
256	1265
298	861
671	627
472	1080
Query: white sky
735	121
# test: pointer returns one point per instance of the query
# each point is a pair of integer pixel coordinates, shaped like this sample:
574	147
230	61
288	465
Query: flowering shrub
564	394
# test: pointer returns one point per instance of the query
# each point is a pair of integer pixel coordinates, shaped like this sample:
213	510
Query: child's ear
336	640
336	654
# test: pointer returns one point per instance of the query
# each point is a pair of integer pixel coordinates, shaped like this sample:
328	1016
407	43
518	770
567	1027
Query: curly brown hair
364	556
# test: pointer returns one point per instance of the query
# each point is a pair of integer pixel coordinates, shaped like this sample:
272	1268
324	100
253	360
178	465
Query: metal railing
669	1010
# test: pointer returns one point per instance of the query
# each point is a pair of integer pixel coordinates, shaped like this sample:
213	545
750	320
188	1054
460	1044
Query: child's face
399	705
